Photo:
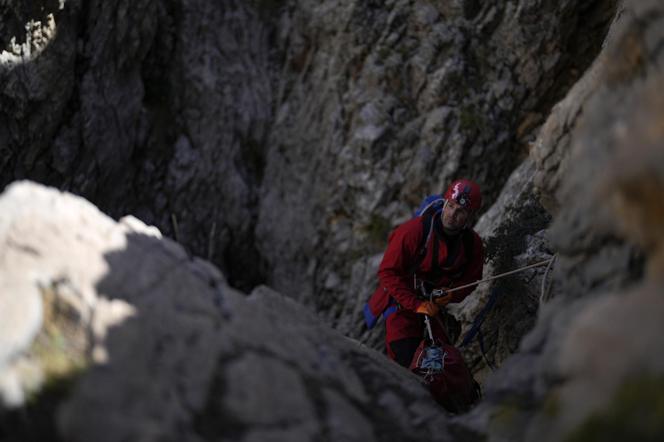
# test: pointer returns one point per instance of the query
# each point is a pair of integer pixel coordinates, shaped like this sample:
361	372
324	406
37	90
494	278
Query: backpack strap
427	231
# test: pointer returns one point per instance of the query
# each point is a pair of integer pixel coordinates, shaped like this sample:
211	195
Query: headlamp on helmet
466	193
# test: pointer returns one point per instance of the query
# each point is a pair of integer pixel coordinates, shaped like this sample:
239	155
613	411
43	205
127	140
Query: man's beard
450	230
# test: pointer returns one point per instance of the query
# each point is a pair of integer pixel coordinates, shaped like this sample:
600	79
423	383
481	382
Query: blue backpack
432	204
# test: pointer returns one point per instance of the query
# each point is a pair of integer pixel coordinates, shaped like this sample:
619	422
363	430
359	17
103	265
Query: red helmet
466	193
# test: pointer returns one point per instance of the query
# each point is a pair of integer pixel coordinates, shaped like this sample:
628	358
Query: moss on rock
636	413
61	347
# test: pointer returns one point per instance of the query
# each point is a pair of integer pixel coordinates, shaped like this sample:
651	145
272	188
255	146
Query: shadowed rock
156	346
591	363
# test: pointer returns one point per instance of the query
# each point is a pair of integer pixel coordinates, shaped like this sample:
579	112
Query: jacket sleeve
395	271
473	271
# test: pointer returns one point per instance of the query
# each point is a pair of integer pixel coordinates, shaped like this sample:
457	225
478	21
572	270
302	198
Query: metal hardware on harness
435	293
432	359
431	362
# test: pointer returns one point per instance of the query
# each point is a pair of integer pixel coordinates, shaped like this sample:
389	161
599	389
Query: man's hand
428	308
442	301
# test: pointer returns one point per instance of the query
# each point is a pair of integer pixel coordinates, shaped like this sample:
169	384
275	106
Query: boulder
125	337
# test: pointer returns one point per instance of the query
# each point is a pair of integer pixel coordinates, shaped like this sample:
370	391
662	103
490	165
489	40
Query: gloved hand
442	301
427	308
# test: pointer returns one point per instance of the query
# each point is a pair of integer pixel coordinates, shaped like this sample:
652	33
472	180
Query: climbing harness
431	361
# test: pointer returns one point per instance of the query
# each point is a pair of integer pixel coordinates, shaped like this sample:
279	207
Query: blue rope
475	330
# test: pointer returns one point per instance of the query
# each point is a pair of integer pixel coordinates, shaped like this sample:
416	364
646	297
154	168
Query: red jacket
396	270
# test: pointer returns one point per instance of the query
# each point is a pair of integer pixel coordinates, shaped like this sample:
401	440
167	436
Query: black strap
435	265
427	220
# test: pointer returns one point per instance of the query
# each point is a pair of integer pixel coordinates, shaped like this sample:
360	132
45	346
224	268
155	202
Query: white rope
491	278
544	287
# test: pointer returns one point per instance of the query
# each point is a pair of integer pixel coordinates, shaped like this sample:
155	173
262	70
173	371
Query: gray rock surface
168	351
282	140
380	105
514	236
155	108
589	366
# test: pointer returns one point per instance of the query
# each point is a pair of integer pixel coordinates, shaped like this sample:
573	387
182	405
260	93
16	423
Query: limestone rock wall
381	104
283	140
590	369
515	235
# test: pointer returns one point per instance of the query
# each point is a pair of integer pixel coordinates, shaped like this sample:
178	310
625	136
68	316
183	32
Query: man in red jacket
454	257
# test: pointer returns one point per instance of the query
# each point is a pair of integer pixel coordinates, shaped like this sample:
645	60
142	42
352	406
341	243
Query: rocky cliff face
590	369
282	141
154	108
382	104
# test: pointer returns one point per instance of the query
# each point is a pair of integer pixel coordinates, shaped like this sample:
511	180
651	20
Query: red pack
445	372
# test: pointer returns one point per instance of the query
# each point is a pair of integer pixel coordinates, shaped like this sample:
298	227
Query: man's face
454	215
